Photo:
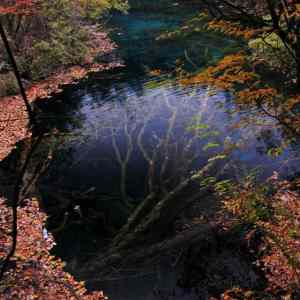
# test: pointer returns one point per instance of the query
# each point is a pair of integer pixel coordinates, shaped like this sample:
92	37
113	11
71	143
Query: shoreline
13	116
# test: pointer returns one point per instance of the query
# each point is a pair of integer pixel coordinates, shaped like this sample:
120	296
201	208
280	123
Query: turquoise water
128	133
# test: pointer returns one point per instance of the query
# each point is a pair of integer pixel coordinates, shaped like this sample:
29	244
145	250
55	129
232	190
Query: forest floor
36	273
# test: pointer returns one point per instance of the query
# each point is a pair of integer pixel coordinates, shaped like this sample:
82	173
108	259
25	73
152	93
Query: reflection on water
128	126
134	138
128	135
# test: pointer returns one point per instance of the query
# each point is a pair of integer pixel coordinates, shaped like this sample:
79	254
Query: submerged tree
182	159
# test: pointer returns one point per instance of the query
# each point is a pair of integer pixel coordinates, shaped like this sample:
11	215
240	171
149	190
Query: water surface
128	133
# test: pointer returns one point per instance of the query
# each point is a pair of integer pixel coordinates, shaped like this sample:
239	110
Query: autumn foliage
47	37
33	273
263	76
239	73
13	118
17	7
274	211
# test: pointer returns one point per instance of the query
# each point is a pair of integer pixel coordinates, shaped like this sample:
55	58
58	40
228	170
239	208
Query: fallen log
135	218
146	219
160	217
116	258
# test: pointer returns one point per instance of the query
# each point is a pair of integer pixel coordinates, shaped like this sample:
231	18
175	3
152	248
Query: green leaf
217	157
210	146
275	152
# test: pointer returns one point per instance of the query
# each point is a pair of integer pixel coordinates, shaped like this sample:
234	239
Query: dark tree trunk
297	54
298	75
17	74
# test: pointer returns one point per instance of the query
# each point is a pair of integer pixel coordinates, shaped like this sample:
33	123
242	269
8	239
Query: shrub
8	84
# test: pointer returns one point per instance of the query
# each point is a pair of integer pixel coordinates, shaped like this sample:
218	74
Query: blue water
130	117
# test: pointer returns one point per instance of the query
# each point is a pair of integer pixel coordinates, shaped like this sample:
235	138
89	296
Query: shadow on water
123	138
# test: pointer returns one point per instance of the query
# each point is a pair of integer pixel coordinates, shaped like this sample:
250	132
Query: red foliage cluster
13	124
278	254
281	262
33	272
17	7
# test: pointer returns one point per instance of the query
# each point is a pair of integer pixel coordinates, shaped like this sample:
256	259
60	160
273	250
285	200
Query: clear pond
136	131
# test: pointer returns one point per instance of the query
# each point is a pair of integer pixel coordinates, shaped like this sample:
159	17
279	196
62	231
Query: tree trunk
297	54
17	74
122	257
